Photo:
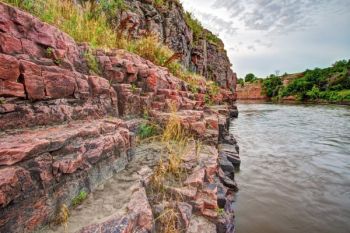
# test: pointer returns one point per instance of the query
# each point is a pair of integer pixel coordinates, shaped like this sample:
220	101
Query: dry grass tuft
169	221
62	217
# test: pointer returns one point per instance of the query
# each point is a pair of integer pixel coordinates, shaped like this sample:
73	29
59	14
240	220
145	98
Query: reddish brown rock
68	164
13	182
189	193
31	48
250	91
140	206
99	85
59	85
34	82
199	127
10	44
11	89
152	80
185	210
39	215
196	178
9	68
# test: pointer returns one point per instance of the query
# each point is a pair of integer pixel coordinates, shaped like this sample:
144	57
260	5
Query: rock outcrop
168	23
64	129
250	91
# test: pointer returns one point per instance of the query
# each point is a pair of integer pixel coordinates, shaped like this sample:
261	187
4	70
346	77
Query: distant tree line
330	84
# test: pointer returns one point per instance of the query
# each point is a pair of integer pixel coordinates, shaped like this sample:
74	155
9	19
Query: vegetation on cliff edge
89	23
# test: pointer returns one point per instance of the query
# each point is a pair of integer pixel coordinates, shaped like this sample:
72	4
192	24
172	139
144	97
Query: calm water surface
295	172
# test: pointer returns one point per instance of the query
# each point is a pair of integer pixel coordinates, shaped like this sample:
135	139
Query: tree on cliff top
250	78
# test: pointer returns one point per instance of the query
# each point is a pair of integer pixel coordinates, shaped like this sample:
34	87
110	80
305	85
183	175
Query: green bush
329	84
314	93
272	85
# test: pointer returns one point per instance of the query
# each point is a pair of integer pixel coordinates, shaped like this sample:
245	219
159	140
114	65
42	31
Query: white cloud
288	35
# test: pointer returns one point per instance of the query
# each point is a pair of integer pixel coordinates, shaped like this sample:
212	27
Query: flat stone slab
201	224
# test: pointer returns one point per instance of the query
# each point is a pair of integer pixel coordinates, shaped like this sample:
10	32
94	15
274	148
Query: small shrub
79	198
49	52
2	100
146	131
194	25
220	211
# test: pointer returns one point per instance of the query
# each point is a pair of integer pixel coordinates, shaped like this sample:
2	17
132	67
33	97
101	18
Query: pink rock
185	210
34	82
115	76
196	178
130	68
188	192
158	106
39	215
11	89
140	206
13	181
213	214
132	78
10	44
165	92
9	68
152	81
59	85
199	127
68	165
211	191
59	54
11	153
83	89
212	122
31	48
6	108
99	85
96	148
44	168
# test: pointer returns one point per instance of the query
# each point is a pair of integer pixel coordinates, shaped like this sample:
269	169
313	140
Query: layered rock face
63	130
167	21
251	91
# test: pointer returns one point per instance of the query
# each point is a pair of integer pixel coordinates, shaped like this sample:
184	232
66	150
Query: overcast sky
263	36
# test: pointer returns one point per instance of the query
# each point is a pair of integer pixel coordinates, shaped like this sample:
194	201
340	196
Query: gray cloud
262	36
280	16
217	24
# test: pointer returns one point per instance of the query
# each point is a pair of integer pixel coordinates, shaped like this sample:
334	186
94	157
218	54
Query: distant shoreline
346	103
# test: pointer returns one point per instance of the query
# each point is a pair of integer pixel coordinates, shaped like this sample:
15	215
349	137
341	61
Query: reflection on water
295	173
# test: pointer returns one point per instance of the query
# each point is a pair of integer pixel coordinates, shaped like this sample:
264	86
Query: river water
295	172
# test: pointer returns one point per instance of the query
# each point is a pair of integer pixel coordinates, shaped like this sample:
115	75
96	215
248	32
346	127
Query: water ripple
295	174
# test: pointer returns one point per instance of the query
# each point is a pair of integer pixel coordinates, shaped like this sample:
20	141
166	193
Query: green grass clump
75	21
147	131
79	198
92	63
199	32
